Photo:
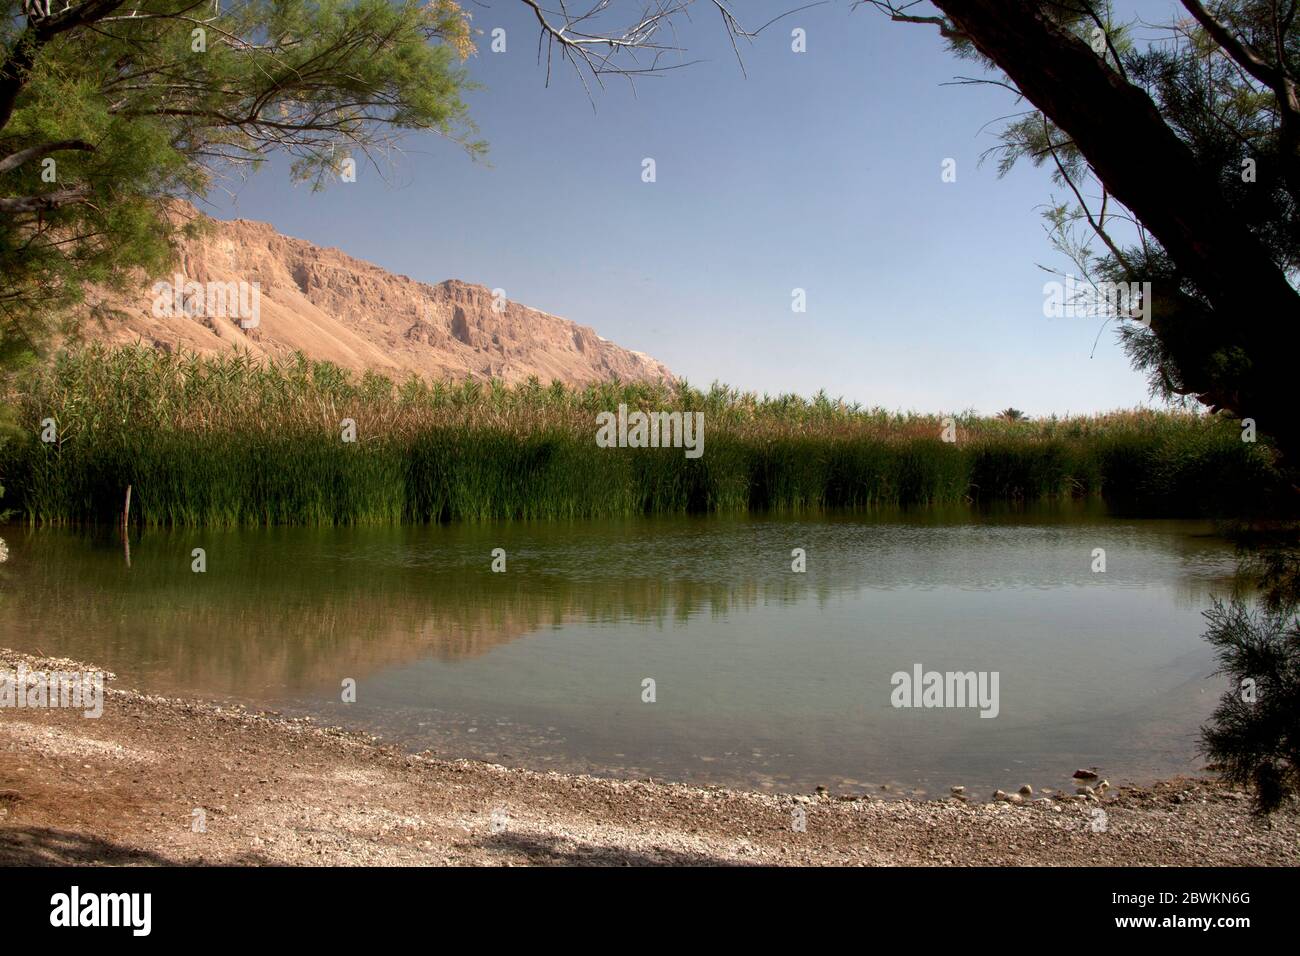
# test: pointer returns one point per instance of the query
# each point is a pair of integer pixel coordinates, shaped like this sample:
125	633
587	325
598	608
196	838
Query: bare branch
14	205
14	160
898	13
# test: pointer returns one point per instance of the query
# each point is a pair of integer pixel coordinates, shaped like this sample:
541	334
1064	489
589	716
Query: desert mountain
331	306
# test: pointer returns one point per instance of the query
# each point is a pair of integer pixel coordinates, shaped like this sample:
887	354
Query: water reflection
765	676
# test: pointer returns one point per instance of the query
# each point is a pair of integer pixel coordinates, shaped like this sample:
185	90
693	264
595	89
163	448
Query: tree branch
16	205
14	160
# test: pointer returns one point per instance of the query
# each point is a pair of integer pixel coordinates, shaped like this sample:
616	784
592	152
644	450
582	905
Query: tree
1252	736
106	112
1198	140
1164	133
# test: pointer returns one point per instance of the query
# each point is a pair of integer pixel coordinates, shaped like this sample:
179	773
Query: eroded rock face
331	306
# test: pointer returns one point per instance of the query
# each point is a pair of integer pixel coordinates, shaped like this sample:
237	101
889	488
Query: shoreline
123	789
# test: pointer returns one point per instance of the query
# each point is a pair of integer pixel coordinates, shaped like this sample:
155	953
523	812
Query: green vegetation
1251	737
226	441
109	110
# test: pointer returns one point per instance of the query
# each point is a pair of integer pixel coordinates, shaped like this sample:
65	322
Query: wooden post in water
126	527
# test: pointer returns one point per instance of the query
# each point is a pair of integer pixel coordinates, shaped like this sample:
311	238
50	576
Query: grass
228	441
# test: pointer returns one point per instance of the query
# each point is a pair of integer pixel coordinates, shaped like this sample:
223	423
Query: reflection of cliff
259	620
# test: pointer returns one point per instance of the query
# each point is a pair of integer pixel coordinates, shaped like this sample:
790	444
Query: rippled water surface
763	677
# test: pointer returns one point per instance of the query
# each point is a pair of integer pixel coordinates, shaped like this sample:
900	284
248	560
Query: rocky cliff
332	306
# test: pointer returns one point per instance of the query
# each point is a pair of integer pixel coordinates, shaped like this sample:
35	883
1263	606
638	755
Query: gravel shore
157	781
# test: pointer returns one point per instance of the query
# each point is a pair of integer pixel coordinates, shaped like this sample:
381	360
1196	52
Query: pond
683	649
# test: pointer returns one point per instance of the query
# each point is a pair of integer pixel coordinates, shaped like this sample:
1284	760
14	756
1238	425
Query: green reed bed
226	441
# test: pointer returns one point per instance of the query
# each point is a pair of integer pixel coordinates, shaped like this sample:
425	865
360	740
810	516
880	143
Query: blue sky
818	170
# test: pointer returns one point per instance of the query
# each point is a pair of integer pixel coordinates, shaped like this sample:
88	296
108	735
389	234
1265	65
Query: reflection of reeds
303	607
256	617
226	441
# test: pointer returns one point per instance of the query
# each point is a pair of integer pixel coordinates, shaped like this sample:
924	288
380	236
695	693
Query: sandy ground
123	790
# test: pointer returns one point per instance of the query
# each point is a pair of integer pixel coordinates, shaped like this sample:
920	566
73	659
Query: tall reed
226	440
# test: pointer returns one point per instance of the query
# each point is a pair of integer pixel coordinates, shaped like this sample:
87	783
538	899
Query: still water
763	677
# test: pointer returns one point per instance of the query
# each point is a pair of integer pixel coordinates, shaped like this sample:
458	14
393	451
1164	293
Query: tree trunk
1145	166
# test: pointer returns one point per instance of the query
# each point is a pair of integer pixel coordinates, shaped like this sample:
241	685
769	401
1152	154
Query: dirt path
124	788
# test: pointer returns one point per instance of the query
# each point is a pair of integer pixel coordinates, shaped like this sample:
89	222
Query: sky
818	170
